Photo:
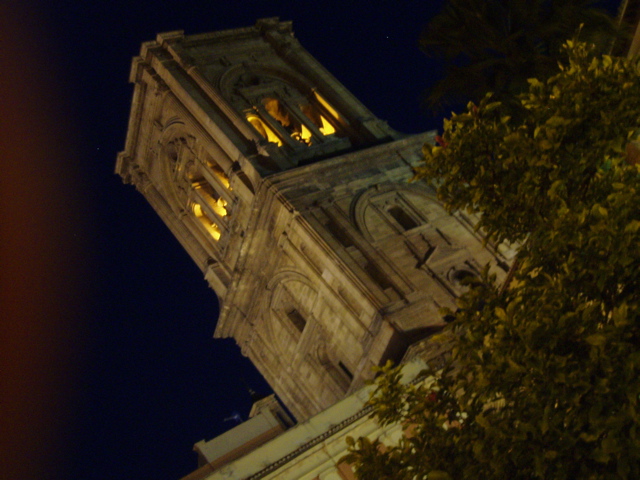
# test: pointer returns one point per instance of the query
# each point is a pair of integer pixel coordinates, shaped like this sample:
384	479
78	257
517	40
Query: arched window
263	129
384	211
326	128
292	305
286	118
284	114
318	120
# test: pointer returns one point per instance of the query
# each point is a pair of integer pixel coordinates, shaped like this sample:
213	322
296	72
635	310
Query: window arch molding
189	190
173	120
281	106
287	275
246	76
286	309
399	213
176	154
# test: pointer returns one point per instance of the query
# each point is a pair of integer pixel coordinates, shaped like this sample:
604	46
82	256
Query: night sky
109	368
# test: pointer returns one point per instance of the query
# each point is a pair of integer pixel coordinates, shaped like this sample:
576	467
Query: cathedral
295	202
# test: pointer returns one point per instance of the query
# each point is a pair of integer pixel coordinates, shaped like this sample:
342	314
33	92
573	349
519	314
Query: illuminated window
326	105
297	130
214	168
220	207
304	119
220	175
318	120
321	120
263	129
209	226
213	199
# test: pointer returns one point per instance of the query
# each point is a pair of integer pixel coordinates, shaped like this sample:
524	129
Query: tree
496	45
544	376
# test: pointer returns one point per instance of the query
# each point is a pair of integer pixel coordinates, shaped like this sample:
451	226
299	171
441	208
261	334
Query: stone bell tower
294	201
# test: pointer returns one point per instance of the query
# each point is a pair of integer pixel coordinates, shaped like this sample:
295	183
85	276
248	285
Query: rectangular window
402	217
297	319
346	371
338	233
379	277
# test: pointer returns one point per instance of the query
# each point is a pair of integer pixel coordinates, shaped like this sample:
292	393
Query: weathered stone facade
295	202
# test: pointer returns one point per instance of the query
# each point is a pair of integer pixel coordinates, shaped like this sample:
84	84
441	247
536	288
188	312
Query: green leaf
545	144
597	340
556	121
620	315
462	118
536	132
552	193
632	226
438	475
491	106
556	344
588	437
599	211
600	456
535	83
610	445
482	421
544	424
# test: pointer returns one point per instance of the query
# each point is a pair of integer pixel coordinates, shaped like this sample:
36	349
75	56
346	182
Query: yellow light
225	181
329	108
219	207
275	109
211	227
264	130
214	231
222	177
305	134
327	128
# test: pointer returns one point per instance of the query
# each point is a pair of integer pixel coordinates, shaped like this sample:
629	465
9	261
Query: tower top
257	93
214	114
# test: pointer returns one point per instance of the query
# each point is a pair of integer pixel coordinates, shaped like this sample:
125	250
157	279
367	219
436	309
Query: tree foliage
544	376
518	172
496	45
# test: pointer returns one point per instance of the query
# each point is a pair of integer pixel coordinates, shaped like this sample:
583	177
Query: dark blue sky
135	377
